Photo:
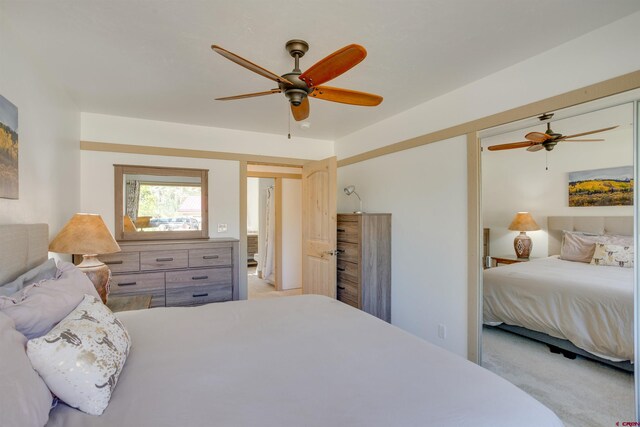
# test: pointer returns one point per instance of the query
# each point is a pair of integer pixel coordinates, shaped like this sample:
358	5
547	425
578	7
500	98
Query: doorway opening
274	231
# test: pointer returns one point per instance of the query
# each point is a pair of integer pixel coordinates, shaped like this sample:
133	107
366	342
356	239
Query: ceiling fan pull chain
289	116
546	160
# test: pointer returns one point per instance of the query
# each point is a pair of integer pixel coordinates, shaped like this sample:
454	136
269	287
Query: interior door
319	227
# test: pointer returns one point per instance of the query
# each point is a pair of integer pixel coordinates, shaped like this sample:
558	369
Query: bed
306	360
585	309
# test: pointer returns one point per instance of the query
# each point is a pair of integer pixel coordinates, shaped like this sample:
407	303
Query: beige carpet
581	392
259	288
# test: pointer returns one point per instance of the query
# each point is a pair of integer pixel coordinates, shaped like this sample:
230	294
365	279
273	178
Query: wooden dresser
175	273
364	262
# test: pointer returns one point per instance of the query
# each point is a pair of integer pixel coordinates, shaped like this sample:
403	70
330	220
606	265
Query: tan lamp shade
523	222
84	234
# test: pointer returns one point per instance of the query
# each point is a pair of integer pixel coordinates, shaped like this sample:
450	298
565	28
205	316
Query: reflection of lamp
129	226
351	189
88	235
523	222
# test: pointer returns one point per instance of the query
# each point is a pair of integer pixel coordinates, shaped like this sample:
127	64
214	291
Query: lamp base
98	273
522	244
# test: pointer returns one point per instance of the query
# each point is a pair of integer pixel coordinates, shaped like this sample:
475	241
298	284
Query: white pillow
613	255
38	307
578	246
81	358
25	399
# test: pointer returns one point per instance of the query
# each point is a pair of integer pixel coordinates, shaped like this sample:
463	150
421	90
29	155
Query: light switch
222	228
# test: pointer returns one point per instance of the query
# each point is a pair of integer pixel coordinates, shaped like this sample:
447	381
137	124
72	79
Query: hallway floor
259	288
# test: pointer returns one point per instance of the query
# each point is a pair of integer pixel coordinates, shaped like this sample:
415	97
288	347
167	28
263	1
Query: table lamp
523	222
87	234
351	189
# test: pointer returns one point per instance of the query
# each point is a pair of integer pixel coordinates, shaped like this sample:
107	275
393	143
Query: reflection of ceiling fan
537	141
298	86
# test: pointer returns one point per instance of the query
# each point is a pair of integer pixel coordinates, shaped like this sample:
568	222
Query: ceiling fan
298	86
548	140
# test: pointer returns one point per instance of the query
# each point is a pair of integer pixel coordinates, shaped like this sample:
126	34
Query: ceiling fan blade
301	112
333	65
249	95
250	65
511	145
587	133
582	140
346	96
535	148
537	136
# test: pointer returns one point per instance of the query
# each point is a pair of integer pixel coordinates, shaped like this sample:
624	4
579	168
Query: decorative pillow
46	270
577	246
81	358
617	239
38	307
24	397
613	255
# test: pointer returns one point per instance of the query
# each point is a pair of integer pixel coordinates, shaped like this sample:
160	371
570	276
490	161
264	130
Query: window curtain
267	254
132	199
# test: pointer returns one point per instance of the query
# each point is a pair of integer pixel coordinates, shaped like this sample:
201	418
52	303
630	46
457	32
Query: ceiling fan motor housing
298	91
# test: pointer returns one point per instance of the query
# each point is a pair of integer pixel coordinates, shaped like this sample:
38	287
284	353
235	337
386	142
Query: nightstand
509	259
130	302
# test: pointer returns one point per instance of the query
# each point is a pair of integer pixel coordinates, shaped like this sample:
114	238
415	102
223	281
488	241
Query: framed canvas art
601	187
8	149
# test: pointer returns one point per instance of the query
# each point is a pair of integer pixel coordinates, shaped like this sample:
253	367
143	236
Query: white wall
516	180
253	205
425	191
291	233
49	134
97	191
431	289
125	130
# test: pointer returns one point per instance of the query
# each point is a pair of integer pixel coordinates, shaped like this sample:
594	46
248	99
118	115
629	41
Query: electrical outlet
442	331
222	228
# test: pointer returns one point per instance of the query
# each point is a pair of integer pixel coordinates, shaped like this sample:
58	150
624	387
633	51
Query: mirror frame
121	235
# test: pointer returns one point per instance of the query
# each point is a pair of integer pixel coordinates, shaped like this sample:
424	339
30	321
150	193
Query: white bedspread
591	306
297	361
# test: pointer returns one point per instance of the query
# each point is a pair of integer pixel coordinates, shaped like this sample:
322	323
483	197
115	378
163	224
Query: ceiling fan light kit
298	86
536	141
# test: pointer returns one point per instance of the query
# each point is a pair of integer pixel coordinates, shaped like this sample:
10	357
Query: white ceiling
152	59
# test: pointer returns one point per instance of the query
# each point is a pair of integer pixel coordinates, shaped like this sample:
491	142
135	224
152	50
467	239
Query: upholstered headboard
591	224
22	246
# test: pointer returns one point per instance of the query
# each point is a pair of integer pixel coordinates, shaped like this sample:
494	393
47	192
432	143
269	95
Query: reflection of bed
234	364
590	306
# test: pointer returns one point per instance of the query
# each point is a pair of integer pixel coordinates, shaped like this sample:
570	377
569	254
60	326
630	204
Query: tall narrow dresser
364	262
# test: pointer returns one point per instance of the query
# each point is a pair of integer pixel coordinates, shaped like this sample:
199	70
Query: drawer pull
340	251
206	294
199	277
210	257
342	288
113	262
341	230
164	259
341	269
127	283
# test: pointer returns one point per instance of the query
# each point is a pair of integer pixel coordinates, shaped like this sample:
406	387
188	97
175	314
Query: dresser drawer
210	276
199	294
347	292
209	257
347	271
164	260
140	284
122	262
348	231
348	252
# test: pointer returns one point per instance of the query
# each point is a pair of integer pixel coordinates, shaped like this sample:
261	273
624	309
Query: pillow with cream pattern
81	358
613	255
